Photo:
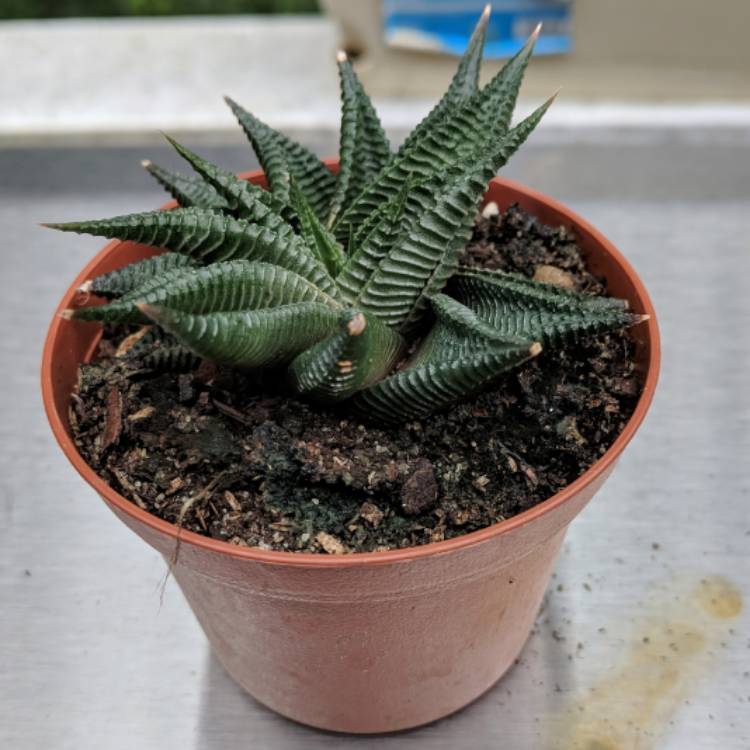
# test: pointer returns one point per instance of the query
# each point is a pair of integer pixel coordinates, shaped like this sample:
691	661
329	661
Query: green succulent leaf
436	384
461	355
175	358
530	310
458	332
500	150
230	286
187	191
364	149
243	199
497	99
372	243
350	246
209	237
550	293
123	280
361	352
321	242
281	158
426	253
160	351
334	276
424	247
251	339
465	133
381	228
462	87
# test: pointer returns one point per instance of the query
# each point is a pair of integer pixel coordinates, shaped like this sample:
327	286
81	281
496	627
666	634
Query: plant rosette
332	273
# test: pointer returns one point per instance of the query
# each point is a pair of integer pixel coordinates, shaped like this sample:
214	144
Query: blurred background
106	68
649	140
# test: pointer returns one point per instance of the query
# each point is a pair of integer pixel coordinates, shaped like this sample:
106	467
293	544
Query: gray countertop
639	644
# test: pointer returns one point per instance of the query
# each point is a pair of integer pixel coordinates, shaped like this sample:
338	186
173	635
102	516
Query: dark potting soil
225	455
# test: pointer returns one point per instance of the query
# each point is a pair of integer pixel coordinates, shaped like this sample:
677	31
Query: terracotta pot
367	642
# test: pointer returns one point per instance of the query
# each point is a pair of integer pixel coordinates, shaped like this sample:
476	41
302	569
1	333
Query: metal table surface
642	642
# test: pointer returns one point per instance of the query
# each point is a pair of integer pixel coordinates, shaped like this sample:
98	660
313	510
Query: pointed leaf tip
170	140
535	349
486	12
537	30
146	163
156	313
67	314
63	226
356	325
341	56
150	311
85	288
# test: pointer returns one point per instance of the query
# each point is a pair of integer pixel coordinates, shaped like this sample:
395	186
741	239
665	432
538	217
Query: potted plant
311	318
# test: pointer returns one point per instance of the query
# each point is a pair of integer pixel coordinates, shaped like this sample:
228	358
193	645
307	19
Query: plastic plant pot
377	641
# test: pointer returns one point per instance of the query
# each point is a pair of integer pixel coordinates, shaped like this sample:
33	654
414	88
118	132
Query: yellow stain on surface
630	709
719	598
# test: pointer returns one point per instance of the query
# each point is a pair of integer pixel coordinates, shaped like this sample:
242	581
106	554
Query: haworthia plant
155	349
350	282
187	191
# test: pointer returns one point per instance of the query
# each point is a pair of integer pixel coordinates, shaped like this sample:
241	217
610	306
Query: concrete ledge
122	81
140	75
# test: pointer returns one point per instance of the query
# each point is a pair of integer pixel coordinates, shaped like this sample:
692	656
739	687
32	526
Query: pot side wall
372	648
366	642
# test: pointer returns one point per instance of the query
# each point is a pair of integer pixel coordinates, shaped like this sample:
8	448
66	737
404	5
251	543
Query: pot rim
316	560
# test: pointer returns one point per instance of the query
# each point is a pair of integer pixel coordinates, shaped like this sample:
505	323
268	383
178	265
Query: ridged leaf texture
220	287
349	283
363	147
187	191
426	253
459	332
209	237
462	87
466	131
433	385
460	356
518	307
171	358
160	351
323	245
123	280
371	244
282	158
361	352
240	197
249	339
427	239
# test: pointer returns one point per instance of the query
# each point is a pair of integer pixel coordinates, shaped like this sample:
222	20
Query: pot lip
356	559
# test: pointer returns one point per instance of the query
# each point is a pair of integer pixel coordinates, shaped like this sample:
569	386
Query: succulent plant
350	282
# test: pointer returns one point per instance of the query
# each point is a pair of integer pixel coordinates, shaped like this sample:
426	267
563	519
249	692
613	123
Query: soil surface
225	455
